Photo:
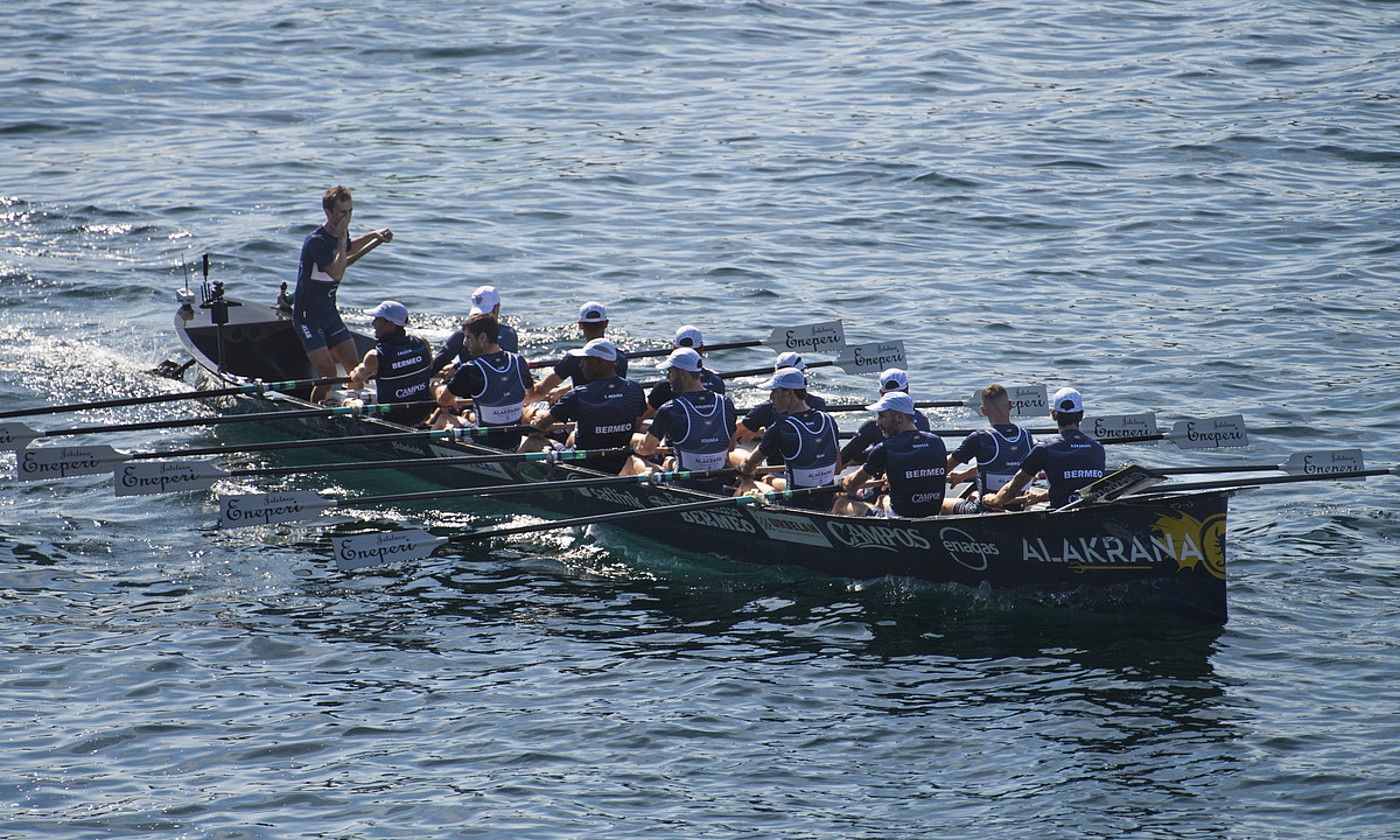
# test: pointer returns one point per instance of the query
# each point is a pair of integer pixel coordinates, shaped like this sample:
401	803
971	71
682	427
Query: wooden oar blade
66	462
1210	433
1115	426
1326	463
873	357
246	511
369	550
825	337
1026	400
16	436
148	478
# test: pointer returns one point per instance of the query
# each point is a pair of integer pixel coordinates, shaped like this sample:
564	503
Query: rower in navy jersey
892	380
687	336
495	380
761	416
607	408
805	437
1071	460
999	451
915	462
400	365
325	254
695	424
592	323
485	301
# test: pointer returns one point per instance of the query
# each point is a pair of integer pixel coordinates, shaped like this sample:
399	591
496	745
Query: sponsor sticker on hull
789	528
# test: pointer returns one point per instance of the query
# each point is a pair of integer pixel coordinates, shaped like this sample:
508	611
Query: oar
255	387
859	358
149	478
1026	401
1329	462
1275	479
17	436
70	461
807	338
301	505
416	544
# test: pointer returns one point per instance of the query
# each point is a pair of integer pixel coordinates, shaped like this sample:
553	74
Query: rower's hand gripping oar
806	338
417	544
254	387
302	505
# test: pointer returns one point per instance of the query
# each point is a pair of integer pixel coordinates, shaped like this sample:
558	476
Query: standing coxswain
495	380
915	462
1071	460
325	254
999	450
695	424
400	364
805	436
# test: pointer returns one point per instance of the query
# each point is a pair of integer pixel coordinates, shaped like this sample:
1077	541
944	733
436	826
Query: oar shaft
161	398
368	409
349	440
1218	469
398	463
533	487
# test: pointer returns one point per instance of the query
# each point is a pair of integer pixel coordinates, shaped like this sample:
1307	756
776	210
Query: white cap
790	359
893	379
1066	401
894	401
785	378
598	348
683	358
689	335
391	311
592	312
485	300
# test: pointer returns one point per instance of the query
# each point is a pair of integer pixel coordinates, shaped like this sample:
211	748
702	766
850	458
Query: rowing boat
1157	554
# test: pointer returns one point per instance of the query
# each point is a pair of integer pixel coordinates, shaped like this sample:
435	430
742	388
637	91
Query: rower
687	336
606	408
325	254
761	416
400	364
495	380
914	460
695	423
593	324
999	451
485	301
892	380
1070	460
805	437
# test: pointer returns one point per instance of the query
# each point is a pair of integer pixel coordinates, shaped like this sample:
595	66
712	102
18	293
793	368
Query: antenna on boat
218	307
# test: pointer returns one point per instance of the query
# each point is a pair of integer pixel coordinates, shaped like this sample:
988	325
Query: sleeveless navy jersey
999	451
1071	460
917	465
662	393
762	415
315	290
697	425
455	351
405	366
808	445
869	434
606	411
570	368
496	383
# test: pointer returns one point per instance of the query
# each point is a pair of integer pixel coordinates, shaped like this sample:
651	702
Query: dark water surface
1180	207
